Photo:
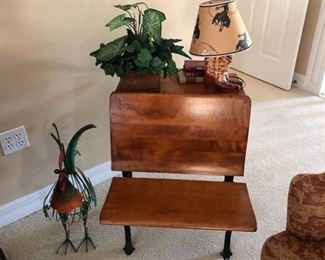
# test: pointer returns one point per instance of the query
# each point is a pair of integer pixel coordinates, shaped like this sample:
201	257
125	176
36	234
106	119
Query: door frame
313	80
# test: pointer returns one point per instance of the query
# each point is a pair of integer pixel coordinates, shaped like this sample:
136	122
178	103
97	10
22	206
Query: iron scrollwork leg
128	248
226	252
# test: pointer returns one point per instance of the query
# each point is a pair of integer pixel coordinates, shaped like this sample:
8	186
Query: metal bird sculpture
70	198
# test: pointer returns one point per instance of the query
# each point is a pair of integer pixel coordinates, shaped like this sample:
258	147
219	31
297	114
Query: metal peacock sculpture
69	200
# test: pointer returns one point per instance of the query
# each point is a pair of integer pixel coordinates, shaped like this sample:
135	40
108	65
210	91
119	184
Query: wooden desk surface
184	128
171	86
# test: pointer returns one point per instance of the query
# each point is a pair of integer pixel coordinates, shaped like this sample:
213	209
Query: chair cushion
306	207
287	246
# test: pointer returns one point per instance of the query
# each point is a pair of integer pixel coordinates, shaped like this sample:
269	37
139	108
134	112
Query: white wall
47	75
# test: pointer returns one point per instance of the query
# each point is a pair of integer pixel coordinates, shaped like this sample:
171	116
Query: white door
275	27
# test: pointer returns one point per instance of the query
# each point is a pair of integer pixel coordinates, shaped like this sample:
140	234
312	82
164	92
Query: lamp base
233	84
217	75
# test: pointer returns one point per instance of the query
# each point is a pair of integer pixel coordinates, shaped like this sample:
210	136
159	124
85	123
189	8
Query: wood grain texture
178	204
180	130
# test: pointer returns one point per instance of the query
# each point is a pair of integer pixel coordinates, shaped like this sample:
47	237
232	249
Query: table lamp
218	33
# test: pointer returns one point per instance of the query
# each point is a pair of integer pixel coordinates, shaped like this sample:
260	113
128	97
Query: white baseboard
305	83
299	81
30	203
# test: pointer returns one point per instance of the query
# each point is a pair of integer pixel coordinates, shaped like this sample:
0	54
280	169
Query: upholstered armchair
304	237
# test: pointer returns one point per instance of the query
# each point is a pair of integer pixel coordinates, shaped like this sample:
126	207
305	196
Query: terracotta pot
135	82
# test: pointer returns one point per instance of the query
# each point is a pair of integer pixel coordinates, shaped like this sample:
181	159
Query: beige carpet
287	136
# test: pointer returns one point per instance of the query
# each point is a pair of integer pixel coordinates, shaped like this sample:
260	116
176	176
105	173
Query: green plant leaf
124	7
130	49
174	40
165	52
129	19
120	70
156	65
109	68
171	68
128	7
156	62
143	38
142	70
143	58
128	66
155	69
112	49
179	50
130	35
151	24
137	45
130	56
161	15
117	22
96	52
169	46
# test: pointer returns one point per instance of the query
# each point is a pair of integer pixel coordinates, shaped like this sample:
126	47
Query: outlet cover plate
14	140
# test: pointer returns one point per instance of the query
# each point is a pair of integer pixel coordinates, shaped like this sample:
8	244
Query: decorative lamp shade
219	30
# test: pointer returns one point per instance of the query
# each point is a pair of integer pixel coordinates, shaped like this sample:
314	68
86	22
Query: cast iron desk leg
2	255
128	248
226	252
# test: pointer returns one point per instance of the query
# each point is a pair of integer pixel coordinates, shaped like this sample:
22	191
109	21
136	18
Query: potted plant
142	52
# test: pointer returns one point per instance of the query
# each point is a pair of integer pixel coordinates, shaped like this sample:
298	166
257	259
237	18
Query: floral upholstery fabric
304	237
306	207
286	246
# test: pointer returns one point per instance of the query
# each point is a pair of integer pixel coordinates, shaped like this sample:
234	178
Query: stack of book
193	71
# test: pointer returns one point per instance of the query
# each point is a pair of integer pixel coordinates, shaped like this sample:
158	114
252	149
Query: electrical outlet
14	140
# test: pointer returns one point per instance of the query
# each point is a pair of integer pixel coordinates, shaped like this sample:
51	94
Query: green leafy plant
142	49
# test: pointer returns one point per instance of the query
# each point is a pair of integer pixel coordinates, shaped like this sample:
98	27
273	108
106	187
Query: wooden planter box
135	82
